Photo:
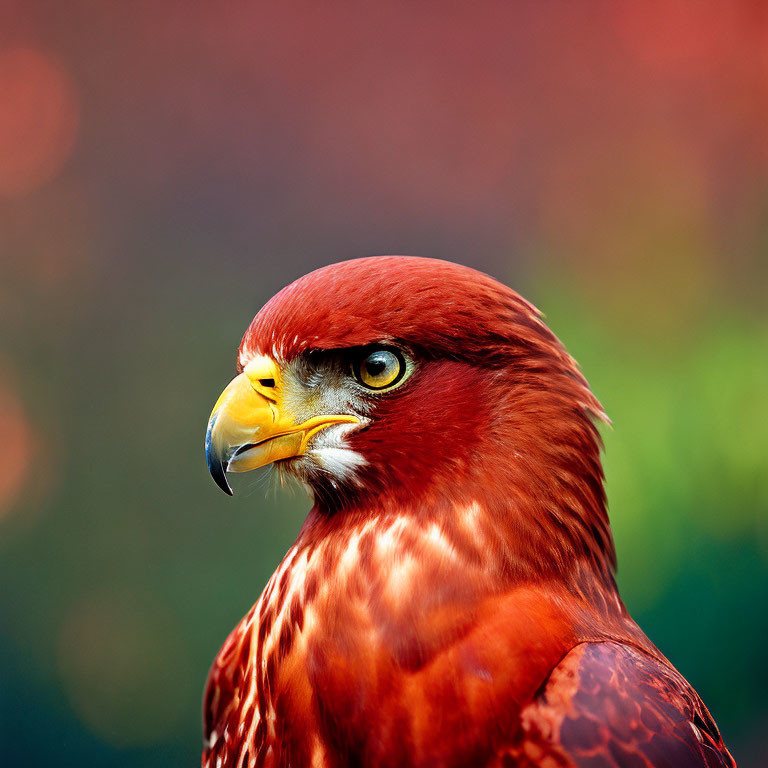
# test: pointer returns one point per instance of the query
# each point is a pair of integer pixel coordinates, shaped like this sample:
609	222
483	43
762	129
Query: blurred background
166	168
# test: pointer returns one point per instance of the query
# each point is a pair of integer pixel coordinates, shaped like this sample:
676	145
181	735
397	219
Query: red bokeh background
166	167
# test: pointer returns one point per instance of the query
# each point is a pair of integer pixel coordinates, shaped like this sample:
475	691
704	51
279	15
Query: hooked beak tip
214	461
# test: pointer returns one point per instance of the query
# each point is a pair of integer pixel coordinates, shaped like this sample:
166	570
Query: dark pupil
376	365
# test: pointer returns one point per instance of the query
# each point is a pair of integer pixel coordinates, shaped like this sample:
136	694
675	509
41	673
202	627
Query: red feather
457	606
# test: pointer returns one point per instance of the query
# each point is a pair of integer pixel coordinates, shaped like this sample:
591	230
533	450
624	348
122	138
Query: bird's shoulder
610	705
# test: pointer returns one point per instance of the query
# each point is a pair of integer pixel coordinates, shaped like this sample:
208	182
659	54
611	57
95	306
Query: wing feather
608	705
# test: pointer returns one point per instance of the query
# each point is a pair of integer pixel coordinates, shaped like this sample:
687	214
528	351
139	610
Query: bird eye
380	369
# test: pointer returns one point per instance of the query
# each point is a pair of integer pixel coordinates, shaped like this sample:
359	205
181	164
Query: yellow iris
380	369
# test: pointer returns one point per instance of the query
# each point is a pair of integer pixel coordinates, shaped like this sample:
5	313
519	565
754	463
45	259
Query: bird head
398	377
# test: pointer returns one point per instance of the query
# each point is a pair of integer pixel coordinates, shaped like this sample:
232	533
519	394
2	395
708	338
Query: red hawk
450	599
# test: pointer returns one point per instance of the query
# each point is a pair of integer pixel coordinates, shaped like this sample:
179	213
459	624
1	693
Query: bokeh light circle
125	668
16	447
38	119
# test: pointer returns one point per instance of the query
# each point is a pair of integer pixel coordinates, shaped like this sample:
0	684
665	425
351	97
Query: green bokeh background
606	160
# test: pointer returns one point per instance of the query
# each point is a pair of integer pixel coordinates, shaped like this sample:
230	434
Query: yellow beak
248	427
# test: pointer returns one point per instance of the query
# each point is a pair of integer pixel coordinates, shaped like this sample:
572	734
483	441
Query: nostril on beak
267	382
